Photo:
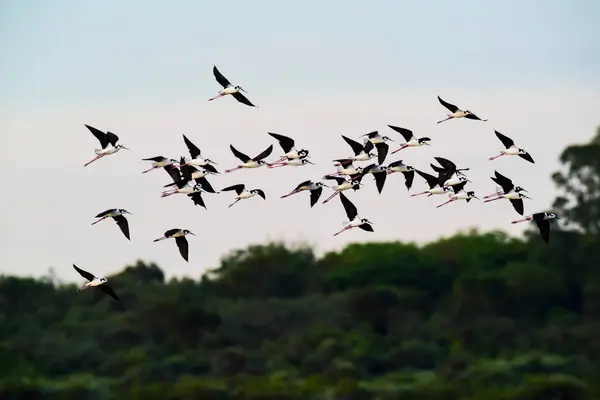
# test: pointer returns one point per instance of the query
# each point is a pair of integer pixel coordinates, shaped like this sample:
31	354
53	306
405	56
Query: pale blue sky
317	69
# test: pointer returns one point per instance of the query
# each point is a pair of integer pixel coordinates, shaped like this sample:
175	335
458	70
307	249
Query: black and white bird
449	174
456	112
434	185
342	184
460	194
315	188
105	140
380	144
242	193
287	145
95	281
248	162
159	162
118	215
193	191
180	240
378	171
406	170
511	149
362	152
542	220
297	162
187	173
354	220
345	168
509	191
228	88
409	137
197	160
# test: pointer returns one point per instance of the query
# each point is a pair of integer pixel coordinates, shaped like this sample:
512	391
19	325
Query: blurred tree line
473	316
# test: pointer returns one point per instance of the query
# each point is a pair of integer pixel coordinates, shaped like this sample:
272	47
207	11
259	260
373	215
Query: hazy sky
317	69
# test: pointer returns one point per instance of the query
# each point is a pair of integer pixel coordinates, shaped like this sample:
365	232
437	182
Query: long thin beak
125	147
212	162
427	143
475	197
310	162
527	197
192	233
243	90
469	181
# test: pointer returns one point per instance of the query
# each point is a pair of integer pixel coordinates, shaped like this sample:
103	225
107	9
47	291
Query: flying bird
378	171
380	144
509	192
433	183
460	194
542	220
105	139
406	170
352	214
362	152
197	159
287	145
94	281
228	88
250	162
180	240
194	192
297	162
455	112
159	162
411	140
346	168
315	188
449	174
117	214
243	194
342	184
511	149
188	173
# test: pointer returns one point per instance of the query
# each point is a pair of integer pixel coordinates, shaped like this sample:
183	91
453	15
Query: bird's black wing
123	224
101	136
187	171
409	177
350	208
407	134
220	78
197	199
103	213
437	169
241	156
382	151
205	185
506	141
155	159
356	147
432	181
448	165
505	183
368	146
182	244
449	106
344	162
457	188
338	179
286	143
171	232
242	99
210	168
305	183
239	188
527	157
544	228
473	116
108	290
314	196
85	274
517	205
380	180
192	148
174	172
112	138
266	153
366	227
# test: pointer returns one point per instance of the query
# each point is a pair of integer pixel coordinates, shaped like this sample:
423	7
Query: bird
188	172
287	145
406	170
345	168
105	139
180	239
378	171
183	187
197	159
455	112
247	161
94	281
460	194
228	88
315	188
354	220
362	152
380	144
509	192
449	174
242	193
511	149
434	185
411	140
117	214
159	162
542	220
342	184
297	162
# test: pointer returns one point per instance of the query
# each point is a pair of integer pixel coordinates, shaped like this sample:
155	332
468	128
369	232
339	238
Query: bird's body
362	152
433	183
406	170
243	193
291	154
315	188
509	192
108	142
248	162
380	144
456	112
297	162
229	89
197	160
460	194
117	214
180	239
378	171
354	220
511	149
342	184
159	162
542	220
409	137
94	281
345	168
183	187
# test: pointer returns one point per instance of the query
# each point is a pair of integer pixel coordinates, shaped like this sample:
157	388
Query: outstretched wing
220	78
350	208
407	134
366	227
506	141
338	179
242	99
356	147
449	106
517	205
182	244
432	181
108	290
457	188
473	116
544	228
205	184
448	165
380	180
123	224
266	153
237	188
527	157
241	156
101	136
409	177
505	183
174	172
305	183
103	213
197	199
314	196
286	143
112	138
85	274
192	148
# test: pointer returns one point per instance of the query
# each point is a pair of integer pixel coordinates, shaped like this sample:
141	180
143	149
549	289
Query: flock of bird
189	176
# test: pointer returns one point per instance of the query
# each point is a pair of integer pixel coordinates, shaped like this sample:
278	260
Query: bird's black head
240	89
188	232
302	153
120	146
424	140
365	221
355	185
552	216
386	139
103	279
519	189
468	112
410	168
123	211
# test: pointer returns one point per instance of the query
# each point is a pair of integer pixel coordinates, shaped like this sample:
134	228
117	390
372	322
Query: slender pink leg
443	204
167	194
148	170
343	230
288	195
232	169
401	147
216	97
101	219
332	196
449	117
283	164
159	239
497	198
97	158
521	220
492	195
493	158
418	194
232	204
